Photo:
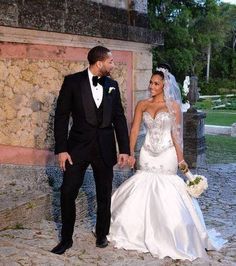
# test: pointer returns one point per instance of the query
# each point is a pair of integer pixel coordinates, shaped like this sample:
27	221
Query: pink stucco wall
32	156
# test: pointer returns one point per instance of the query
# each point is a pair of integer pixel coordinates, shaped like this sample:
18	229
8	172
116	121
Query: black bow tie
97	80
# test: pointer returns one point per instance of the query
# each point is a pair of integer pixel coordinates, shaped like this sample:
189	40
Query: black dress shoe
101	242
62	247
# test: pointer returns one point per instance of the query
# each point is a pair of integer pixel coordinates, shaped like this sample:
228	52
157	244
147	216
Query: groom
93	101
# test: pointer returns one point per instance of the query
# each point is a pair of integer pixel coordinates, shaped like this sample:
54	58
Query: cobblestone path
30	246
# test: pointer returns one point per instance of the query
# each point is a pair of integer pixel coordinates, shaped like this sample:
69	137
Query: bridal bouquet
196	184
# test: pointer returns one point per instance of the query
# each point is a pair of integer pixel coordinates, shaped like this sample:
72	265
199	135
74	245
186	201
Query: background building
41	42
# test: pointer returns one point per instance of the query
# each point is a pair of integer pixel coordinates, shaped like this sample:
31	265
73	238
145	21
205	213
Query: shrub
217	86
204	104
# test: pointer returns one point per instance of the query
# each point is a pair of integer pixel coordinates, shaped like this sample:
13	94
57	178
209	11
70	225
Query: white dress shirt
97	91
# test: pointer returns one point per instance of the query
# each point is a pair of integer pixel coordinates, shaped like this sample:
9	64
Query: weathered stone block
113	3
29	95
217	130
82	17
140	95
31	193
194	139
137	33
40	15
28	209
233	130
141	79
143	60
113	30
113	15
139	19
8	13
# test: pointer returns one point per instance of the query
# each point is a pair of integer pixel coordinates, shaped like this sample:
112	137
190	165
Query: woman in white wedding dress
152	211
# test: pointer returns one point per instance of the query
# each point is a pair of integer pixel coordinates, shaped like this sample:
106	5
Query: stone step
31	193
23	209
217	130
221	130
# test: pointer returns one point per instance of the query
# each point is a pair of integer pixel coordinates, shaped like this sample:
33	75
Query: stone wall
89	18
28	97
137	5
32	67
41	42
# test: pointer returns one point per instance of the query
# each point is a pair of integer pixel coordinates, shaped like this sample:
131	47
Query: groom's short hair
97	53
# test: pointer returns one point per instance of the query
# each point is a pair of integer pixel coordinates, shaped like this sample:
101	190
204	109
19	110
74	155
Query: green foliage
195	181
189	27
204	105
217	86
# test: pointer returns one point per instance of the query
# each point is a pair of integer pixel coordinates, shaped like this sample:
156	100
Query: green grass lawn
220	149
220	118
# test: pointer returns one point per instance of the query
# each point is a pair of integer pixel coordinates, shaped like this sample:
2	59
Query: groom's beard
105	72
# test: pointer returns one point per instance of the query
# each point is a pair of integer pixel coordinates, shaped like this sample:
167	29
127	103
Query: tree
194	32
173	18
209	29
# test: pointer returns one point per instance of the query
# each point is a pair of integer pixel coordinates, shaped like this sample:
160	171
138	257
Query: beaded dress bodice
158	137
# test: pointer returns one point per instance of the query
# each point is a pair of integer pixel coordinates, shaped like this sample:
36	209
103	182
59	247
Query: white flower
111	89
196	184
186	85
163	70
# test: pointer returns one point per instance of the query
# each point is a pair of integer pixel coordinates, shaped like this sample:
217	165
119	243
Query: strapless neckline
156	115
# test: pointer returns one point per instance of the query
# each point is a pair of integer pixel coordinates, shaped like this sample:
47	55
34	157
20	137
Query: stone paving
30	246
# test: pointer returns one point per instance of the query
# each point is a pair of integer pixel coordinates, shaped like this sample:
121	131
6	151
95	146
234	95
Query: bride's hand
183	166
131	161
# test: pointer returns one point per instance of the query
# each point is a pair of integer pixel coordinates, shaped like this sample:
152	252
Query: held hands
183	166
131	161
62	158
122	160
125	159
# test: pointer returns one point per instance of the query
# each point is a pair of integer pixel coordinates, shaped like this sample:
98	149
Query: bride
152	211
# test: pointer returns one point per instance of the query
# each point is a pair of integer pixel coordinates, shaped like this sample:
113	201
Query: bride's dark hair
160	73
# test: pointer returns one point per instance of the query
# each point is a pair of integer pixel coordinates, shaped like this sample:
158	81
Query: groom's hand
122	159
62	158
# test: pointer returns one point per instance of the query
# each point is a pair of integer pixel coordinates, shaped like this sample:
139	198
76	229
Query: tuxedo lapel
107	105
87	99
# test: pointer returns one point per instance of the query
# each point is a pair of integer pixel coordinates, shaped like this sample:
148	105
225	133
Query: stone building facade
41	42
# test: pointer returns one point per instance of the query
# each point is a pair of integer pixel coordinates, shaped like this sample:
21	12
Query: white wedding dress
152	211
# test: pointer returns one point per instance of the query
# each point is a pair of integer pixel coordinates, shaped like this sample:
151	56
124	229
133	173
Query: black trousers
73	180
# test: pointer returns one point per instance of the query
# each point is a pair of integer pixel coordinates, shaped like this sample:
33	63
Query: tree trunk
208	62
234	39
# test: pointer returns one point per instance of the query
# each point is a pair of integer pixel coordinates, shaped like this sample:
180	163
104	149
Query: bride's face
156	85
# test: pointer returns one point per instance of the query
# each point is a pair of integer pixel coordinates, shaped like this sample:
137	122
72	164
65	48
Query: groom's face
107	65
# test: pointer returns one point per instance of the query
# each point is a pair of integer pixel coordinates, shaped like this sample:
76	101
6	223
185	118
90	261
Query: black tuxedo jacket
76	100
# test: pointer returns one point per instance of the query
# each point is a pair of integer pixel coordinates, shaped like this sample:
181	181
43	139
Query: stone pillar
142	64
194	139
233	130
193	131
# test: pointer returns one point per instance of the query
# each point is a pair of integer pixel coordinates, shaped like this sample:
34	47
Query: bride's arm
135	130
177	138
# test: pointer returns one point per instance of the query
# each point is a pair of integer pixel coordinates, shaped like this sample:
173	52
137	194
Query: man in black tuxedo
93	101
